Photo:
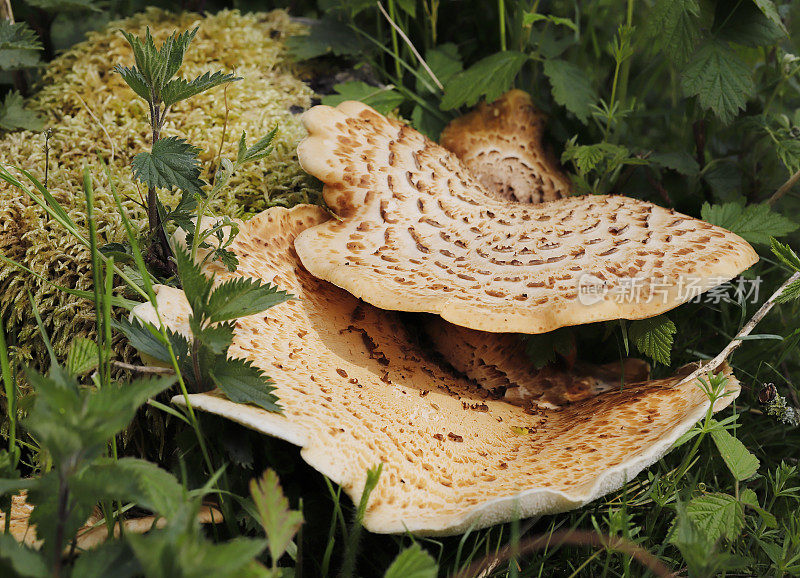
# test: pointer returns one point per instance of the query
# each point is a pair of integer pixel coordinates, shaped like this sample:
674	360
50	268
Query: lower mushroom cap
357	391
501	144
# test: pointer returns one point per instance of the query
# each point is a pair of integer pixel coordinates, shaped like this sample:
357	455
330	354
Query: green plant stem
395	43
626	65
501	14
10	388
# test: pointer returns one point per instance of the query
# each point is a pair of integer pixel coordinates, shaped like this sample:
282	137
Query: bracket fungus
501	144
358	391
418	232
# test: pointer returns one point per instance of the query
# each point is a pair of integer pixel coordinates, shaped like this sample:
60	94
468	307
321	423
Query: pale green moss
94	113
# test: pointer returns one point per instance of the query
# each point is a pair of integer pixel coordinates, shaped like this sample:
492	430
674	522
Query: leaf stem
501	11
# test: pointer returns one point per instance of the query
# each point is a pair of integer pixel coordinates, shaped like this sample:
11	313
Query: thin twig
574	538
144	368
711	366
100	124
784	188
411	46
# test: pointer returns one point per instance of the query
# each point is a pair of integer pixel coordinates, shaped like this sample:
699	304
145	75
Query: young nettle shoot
172	162
203	356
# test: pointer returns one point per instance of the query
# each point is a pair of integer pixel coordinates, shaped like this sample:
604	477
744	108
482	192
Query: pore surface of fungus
499	363
501	144
417	232
357	391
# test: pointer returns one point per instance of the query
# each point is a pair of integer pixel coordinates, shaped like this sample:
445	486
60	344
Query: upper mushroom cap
501	144
417	232
358	391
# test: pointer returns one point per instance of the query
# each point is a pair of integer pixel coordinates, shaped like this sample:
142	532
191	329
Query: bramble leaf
571	87
740	461
756	223
653	337
243	382
719	78
280	523
769	10
171	163
717	516
196	285
413	562
384	99
674	28
744	23
489	78
14	116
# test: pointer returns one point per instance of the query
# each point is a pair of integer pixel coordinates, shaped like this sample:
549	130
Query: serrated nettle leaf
653	337
24	562
180	89
756	223
135	80
114	558
488	78
413	562
134	480
82	356
790	293
227	258
384	99
144	337
194	282
216	337
172	162
280	523
785	253
243	382
719	78
258	151
717	516
183	213
674	28
241	297
14	116
158	65
742	464
571	87
18	35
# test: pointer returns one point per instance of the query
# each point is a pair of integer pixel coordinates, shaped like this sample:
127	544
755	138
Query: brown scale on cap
419	233
501	144
357	391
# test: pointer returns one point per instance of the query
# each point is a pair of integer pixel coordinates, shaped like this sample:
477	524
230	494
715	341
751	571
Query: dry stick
144	368
711	366
784	188
574	538
411	46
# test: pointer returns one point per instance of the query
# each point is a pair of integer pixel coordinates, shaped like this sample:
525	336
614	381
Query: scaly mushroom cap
417	232
357	391
501	144
498	362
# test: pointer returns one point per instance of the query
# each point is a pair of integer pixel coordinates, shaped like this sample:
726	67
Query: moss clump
94	114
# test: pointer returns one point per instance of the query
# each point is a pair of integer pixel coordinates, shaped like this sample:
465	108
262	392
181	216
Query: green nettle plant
171	162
